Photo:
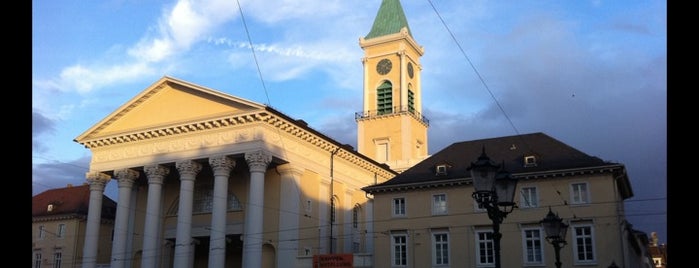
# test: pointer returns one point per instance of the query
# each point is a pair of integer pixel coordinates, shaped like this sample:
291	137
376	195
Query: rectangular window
583	244
308	206
485	251
382	150
61	232
529	197
399	249
355	247
57	259
533	250
440	248
579	193
439	204
37	259
411	101
478	207
42	232
399	206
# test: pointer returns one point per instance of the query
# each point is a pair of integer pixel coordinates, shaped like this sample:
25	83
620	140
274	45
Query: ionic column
289	204
156	175
222	167
97	181
125	178
252	238
183	241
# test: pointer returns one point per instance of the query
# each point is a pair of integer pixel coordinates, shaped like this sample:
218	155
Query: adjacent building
59	222
658	251
426	216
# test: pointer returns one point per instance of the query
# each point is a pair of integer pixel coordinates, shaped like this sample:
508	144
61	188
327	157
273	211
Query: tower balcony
392	111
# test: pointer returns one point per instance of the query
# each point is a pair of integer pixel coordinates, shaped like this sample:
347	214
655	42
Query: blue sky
592	74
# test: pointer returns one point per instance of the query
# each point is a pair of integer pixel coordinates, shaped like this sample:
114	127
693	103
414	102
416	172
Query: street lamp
494	191
555	230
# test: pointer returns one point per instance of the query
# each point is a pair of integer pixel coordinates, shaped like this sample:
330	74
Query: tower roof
389	20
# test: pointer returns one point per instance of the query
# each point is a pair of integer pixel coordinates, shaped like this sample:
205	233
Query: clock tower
391	128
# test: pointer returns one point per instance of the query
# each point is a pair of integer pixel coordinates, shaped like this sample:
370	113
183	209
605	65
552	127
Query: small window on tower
441	170
530	161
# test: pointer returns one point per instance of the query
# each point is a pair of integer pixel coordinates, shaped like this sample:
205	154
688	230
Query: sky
592	74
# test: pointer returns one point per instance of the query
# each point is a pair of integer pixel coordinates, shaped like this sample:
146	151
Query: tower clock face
384	66
411	72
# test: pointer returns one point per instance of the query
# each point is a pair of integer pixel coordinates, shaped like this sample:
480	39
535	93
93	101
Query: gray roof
552	156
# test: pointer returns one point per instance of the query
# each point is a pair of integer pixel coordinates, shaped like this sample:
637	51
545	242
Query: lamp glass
483	173
505	187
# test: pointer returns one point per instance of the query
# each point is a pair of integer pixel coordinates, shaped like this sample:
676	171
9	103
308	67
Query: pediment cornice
266	116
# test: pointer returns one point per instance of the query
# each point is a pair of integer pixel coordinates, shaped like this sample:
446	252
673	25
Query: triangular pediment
168	102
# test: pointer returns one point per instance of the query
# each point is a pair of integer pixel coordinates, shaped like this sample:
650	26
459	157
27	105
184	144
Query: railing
394	110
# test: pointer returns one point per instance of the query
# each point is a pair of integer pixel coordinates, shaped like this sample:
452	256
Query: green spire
389	20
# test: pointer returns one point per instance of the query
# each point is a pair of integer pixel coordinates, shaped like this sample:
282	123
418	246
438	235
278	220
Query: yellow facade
463	219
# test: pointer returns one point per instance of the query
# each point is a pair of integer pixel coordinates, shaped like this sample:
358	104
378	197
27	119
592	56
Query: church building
206	179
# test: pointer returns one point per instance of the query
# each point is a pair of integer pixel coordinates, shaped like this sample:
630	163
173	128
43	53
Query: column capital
188	167
258	160
222	165
97	180
156	173
126	177
290	170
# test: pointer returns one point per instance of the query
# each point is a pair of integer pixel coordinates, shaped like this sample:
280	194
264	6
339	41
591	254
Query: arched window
356	234
411	99
355	216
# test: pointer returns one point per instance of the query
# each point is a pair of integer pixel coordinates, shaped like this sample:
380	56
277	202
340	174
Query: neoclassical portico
206	179
221	166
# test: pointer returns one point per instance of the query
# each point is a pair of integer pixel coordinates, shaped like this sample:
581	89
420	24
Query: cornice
467	181
399	36
61	217
64	217
160	140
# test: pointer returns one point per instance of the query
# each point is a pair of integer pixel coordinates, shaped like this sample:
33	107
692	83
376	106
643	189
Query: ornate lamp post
495	191
555	230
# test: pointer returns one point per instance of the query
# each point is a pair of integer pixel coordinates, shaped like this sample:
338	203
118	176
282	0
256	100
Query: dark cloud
56	174
40	125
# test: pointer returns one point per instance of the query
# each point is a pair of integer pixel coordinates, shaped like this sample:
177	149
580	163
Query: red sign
333	261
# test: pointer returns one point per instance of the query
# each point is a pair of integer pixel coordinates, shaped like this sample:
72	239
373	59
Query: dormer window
441	170
49	208
530	161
